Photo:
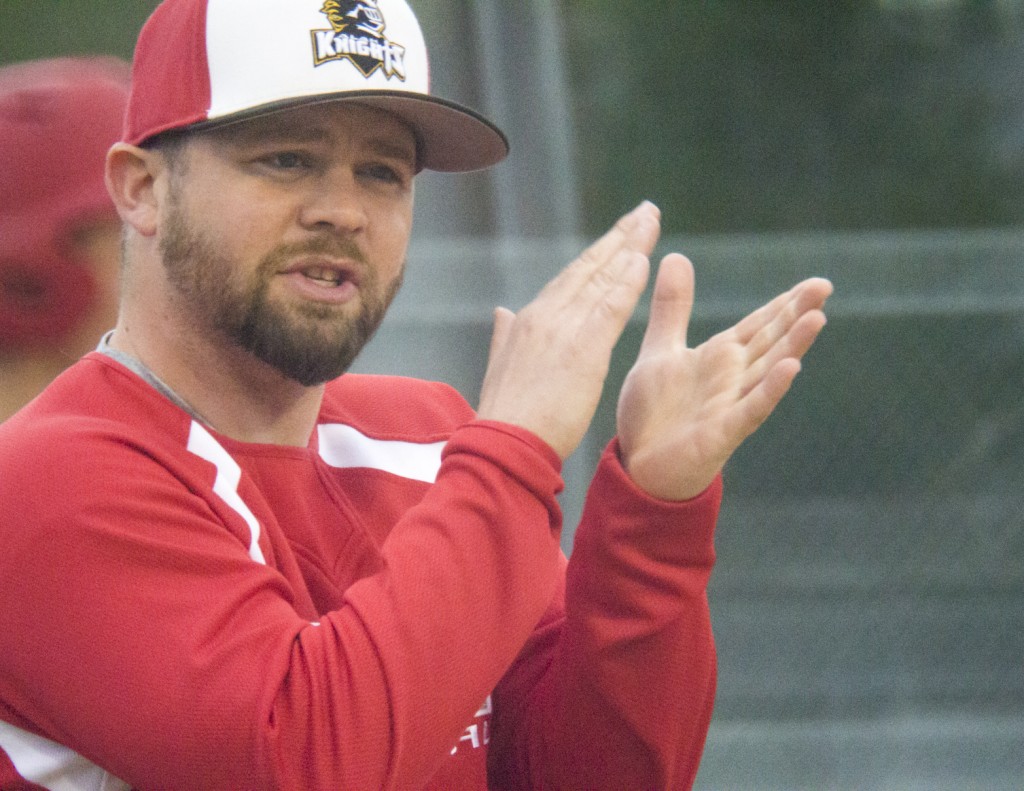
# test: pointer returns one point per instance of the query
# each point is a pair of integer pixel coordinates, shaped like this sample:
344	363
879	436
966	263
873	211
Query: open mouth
323	280
325	276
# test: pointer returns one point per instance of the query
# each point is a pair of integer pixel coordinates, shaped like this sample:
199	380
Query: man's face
286	236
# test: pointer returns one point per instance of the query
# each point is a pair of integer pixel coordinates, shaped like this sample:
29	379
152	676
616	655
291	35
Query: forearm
468	574
180	662
626	700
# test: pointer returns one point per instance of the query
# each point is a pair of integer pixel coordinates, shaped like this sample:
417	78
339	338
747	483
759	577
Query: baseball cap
202	63
58	117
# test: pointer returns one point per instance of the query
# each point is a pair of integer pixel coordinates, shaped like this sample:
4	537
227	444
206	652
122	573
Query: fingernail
633	218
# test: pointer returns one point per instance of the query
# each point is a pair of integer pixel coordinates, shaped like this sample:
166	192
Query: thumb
671	304
503	320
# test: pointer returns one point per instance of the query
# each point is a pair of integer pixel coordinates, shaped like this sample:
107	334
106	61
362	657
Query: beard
310	343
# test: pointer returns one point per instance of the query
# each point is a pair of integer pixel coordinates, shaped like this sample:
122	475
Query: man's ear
131	175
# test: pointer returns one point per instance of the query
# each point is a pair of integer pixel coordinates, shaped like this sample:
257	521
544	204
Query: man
221	572
59	232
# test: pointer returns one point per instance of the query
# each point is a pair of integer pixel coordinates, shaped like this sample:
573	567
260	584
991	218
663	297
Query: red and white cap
200	63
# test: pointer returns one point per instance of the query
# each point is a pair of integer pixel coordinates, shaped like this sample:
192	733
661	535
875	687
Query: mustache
330	246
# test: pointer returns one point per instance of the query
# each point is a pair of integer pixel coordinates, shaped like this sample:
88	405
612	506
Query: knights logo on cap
357	35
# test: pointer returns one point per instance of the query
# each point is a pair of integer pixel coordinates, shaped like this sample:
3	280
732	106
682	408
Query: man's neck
227	389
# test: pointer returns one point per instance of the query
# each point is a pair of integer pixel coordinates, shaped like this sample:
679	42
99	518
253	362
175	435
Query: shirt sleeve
136	629
616	690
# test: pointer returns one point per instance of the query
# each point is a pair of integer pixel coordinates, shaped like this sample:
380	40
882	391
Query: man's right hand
549	361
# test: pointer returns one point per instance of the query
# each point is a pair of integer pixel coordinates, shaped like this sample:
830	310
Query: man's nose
334	202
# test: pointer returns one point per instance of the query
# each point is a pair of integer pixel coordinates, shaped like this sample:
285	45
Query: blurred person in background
59	232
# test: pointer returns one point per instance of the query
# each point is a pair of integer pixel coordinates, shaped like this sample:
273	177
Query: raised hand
548	363
682	412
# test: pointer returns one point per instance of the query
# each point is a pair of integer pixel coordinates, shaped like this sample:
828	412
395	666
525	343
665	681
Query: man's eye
384	173
286	160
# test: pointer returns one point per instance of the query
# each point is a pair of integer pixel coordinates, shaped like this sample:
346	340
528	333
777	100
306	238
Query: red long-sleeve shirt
386	608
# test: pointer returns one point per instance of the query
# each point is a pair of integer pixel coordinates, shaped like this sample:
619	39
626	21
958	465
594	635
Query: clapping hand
681	412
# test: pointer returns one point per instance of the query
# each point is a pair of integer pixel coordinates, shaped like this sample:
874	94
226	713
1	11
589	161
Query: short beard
309	343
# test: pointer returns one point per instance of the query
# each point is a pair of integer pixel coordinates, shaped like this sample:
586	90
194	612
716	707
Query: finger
671	304
636	231
601	309
750	325
503	319
594	307
792	346
763	329
801	336
760	402
806	295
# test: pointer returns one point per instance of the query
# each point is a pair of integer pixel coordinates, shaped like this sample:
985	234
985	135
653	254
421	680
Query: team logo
357	35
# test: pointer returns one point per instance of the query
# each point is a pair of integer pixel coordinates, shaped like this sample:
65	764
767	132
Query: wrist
668	481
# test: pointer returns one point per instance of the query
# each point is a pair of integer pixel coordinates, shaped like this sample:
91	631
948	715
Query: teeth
324	275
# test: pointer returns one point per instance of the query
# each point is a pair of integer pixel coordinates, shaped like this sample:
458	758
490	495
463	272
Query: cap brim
451	138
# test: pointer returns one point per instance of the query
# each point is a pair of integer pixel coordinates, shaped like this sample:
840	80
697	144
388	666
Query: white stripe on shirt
52	765
203	445
344	446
